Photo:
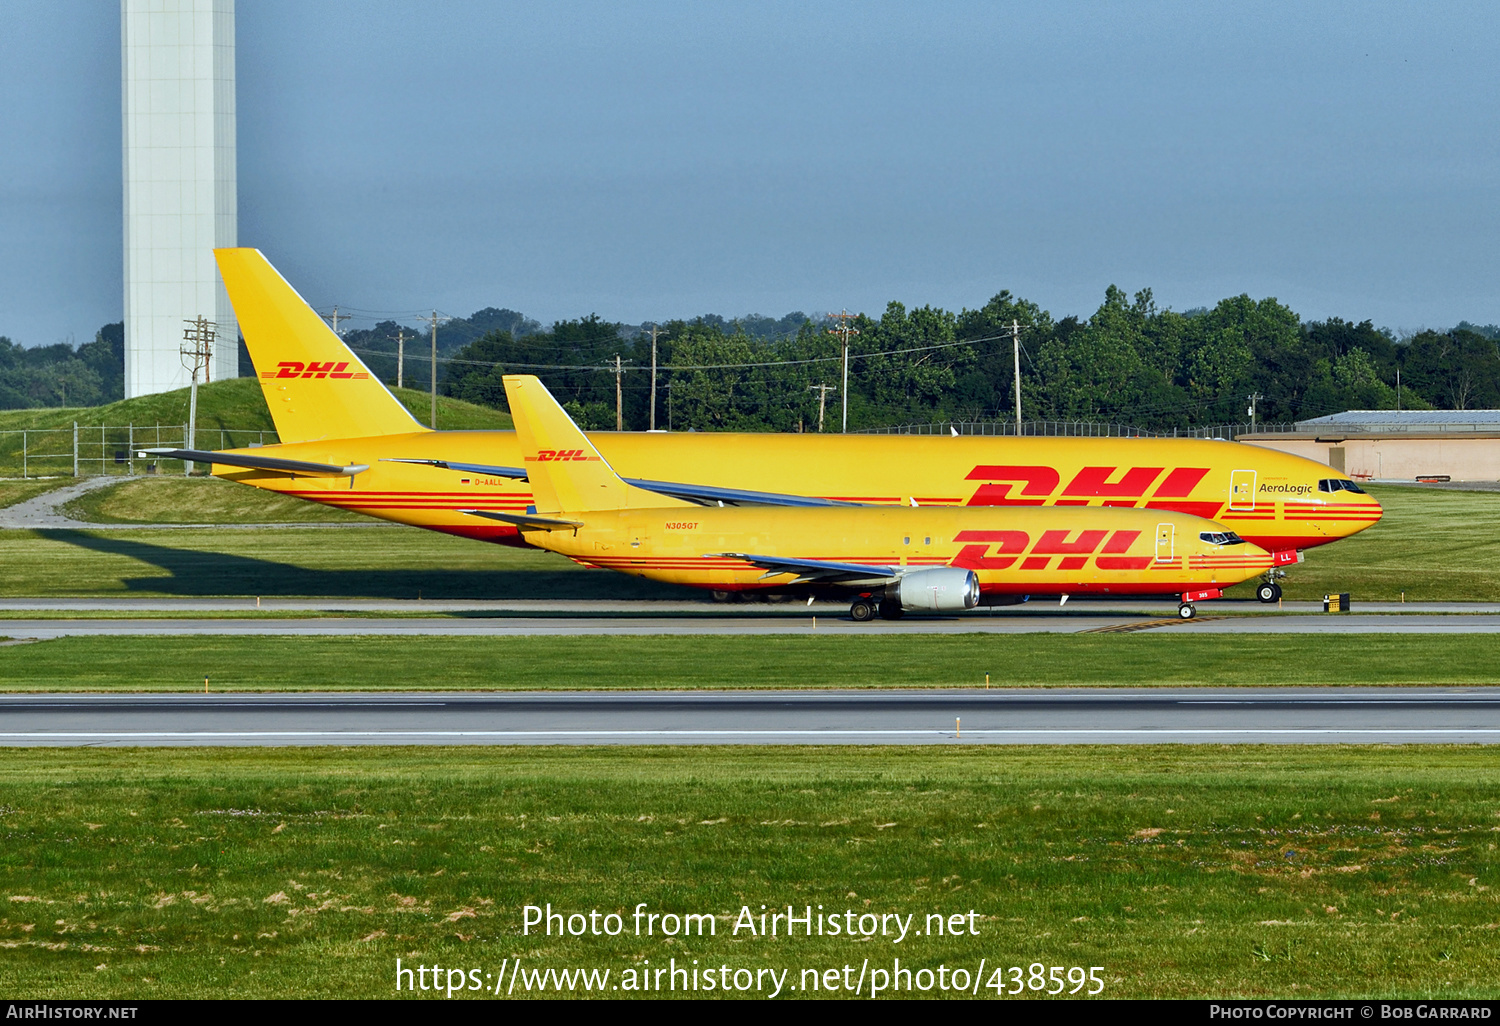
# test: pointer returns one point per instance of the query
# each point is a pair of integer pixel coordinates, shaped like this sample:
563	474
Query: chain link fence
1072	429
91	451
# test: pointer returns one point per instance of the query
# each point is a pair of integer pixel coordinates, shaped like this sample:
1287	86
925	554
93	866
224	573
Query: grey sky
647	161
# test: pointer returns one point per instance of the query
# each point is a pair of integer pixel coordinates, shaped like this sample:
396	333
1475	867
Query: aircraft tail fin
315	386
566	472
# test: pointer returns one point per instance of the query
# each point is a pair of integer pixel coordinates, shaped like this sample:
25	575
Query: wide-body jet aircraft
346	441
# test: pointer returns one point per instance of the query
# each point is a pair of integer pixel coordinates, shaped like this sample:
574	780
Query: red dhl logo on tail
560	455
313	369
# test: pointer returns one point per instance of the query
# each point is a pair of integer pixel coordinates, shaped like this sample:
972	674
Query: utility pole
845	331
400	357
822	391
653	377
197	351
619	400
334	318
436	320
1253	396
1015	341
1398	390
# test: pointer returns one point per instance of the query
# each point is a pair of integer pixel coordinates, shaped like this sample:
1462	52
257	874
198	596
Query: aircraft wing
703	495
235	459
526	520
818	571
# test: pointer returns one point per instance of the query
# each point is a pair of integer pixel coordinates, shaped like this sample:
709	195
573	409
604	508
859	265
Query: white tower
177	61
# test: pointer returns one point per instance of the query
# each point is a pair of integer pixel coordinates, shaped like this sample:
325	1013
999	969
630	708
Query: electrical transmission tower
197	354
844	330
822	391
619	397
436	320
654	332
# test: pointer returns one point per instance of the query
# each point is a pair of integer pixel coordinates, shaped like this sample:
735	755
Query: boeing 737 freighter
892	559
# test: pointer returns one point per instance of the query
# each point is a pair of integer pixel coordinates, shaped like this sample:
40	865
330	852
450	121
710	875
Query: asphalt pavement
1063	716
838	623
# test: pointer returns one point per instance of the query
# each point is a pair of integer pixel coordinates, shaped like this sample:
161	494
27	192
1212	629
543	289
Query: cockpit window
1339	484
1221	538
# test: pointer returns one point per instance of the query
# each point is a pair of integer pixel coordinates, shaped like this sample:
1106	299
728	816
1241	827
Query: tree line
1129	362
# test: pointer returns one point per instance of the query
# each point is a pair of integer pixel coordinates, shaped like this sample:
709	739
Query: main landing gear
864	609
1187	611
1268	591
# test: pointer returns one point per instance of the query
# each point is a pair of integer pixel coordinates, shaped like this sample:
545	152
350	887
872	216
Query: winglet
566	472
315	386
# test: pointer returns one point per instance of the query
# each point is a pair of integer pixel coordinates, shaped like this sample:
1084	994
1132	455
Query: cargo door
1242	489
1165	537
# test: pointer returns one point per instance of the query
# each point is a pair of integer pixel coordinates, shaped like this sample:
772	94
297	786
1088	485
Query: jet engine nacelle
941	589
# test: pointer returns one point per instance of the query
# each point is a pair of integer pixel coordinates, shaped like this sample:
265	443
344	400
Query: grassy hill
230	413
234	404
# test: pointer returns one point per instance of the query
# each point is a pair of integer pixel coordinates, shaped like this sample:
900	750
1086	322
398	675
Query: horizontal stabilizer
526	520
821	571
235	459
517	473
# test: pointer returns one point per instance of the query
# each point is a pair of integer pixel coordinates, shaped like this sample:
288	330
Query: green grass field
14	490
1158	659
1250	871
1433	544
199	500
392	562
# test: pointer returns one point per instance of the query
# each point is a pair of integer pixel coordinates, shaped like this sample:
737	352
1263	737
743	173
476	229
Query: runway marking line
1146	625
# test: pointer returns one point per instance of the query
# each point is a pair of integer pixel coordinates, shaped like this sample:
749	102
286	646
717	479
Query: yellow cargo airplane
893	559
347	442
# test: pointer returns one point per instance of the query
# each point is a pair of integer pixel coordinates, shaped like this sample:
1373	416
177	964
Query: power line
602	368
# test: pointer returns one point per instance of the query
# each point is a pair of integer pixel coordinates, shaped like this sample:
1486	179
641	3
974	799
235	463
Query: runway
492	625
1065	716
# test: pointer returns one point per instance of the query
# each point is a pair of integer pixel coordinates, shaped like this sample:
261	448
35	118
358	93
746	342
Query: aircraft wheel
862	610
890	610
1268	591
1186	611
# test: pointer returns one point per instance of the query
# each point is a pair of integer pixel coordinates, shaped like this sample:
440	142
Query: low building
1396	445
